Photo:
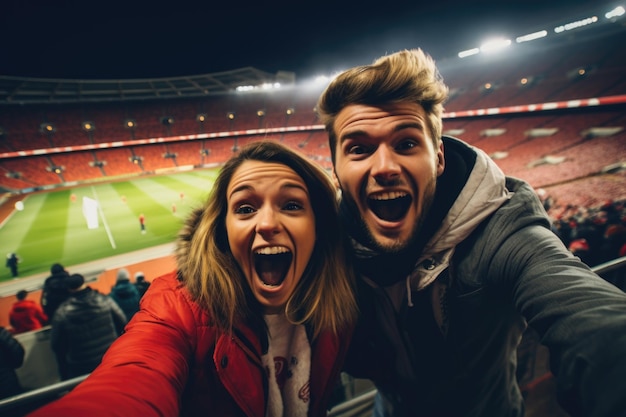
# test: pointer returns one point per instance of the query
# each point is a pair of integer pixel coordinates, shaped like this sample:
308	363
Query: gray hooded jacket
441	339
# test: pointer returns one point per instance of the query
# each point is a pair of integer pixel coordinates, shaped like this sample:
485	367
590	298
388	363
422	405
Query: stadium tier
550	115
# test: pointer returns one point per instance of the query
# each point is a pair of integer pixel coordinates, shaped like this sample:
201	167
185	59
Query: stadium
83	159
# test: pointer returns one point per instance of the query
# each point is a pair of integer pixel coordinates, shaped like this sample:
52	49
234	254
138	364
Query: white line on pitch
104	220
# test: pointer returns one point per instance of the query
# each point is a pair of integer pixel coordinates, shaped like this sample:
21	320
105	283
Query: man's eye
244	209
357	150
406	145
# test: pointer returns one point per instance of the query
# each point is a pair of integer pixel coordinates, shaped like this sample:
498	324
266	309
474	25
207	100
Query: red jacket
26	315
174	362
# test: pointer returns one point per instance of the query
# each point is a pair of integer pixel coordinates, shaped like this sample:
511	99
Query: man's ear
441	161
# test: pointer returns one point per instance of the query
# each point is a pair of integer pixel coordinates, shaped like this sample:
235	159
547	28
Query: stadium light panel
494	45
616	12
532	36
577	24
468	52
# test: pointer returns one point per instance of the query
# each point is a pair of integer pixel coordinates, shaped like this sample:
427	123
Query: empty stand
521	144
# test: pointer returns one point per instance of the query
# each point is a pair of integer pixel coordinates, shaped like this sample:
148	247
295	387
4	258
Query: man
12	261
125	294
83	328
26	315
54	289
456	259
141	284
142	223
11	358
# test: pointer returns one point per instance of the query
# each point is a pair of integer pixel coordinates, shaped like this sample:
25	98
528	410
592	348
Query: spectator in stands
255	319
26	315
83	328
455	259
141	284
12	261
125	294
54	290
11	358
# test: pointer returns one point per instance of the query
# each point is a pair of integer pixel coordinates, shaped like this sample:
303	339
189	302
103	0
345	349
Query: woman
257	317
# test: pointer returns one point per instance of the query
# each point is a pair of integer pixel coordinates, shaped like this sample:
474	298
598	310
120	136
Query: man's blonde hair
405	76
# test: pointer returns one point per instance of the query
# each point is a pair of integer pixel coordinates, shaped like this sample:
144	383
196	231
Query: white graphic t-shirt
288	363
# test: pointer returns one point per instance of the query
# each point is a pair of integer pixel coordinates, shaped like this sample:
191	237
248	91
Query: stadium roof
20	90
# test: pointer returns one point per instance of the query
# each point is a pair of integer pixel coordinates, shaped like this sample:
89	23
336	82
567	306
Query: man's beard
398	246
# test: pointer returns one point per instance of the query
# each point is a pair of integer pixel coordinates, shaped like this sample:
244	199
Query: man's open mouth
272	263
391	206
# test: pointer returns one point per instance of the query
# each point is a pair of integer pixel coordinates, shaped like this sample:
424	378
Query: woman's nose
267	221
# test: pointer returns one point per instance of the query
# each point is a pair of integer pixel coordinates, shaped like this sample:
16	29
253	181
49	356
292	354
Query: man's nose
385	167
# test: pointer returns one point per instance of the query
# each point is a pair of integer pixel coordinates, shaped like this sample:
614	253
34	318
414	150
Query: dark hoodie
54	290
83	328
439	330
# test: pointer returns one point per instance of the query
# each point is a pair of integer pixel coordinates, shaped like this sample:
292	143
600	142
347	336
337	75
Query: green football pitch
52	228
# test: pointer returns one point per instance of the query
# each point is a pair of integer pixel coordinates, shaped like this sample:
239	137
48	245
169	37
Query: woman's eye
244	209
292	205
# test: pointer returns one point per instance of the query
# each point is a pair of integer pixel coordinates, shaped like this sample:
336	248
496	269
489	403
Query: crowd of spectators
595	234
83	322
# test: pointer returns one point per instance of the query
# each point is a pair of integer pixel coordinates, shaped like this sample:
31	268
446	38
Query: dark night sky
118	40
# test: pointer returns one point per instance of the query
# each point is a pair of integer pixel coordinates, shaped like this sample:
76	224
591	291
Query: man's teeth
273	250
388	196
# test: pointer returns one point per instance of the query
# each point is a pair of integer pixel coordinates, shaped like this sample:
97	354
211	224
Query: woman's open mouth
271	264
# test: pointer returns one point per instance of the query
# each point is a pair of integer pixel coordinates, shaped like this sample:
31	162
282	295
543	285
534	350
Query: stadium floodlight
47	128
577	24
167	120
616	12
532	36
88	126
494	45
270	86
468	52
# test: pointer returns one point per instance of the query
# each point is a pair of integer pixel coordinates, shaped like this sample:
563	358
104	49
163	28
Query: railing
359	394
24	402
